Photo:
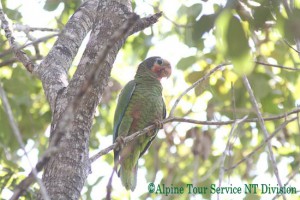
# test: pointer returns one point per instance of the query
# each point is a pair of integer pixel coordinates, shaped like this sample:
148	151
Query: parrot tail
129	177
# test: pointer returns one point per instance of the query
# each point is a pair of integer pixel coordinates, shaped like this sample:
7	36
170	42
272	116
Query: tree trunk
66	171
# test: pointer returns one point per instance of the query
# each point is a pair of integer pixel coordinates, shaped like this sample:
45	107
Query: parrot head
159	66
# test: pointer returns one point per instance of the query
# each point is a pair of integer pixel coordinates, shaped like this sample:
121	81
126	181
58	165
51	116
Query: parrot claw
120	143
158	124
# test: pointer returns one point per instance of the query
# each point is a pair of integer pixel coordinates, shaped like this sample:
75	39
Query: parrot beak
163	70
166	71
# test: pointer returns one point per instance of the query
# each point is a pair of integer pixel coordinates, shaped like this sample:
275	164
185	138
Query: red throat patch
161	71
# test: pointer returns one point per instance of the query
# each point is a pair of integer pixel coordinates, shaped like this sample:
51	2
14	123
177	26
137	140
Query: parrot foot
158	124
120	143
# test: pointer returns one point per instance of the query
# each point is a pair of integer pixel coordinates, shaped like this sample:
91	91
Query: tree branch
190	25
145	22
30	179
294	173
192	121
194	85
226	150
42	39
264	129
13	60
21	55
53	70
26	28
287	43
287	7
277	66
18	136
284	124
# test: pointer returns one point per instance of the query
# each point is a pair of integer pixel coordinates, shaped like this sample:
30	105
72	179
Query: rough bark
53	71
66	172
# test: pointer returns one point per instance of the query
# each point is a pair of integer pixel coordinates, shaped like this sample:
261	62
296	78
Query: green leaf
292	26
13	14
194	76
236	39
192	11
238	49
51	5
205	24
260	85
261	15
185	63
220	33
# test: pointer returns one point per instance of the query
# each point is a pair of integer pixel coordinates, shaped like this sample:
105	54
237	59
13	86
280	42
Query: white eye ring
159	61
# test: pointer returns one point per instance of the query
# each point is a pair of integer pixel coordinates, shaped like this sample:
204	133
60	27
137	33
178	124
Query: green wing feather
149	143
123	101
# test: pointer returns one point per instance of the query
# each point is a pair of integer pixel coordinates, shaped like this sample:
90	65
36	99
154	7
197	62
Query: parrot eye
159	61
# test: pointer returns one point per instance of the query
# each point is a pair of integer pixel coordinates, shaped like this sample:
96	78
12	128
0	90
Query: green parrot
140	104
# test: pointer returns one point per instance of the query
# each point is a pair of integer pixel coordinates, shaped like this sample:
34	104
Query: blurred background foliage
195	36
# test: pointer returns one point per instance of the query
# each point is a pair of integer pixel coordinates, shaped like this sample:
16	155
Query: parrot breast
145	107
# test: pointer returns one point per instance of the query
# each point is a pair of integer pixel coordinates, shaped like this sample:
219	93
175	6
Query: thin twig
109	185
221	172
277	66
190	25
42	39
35	46
287	43
230	158
18	136
21	55
287	7
264	129
228	122
126	140
192	121
233	101
145	22
294	173
194	85
30	179
26	28
156	8
284	124
13	60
